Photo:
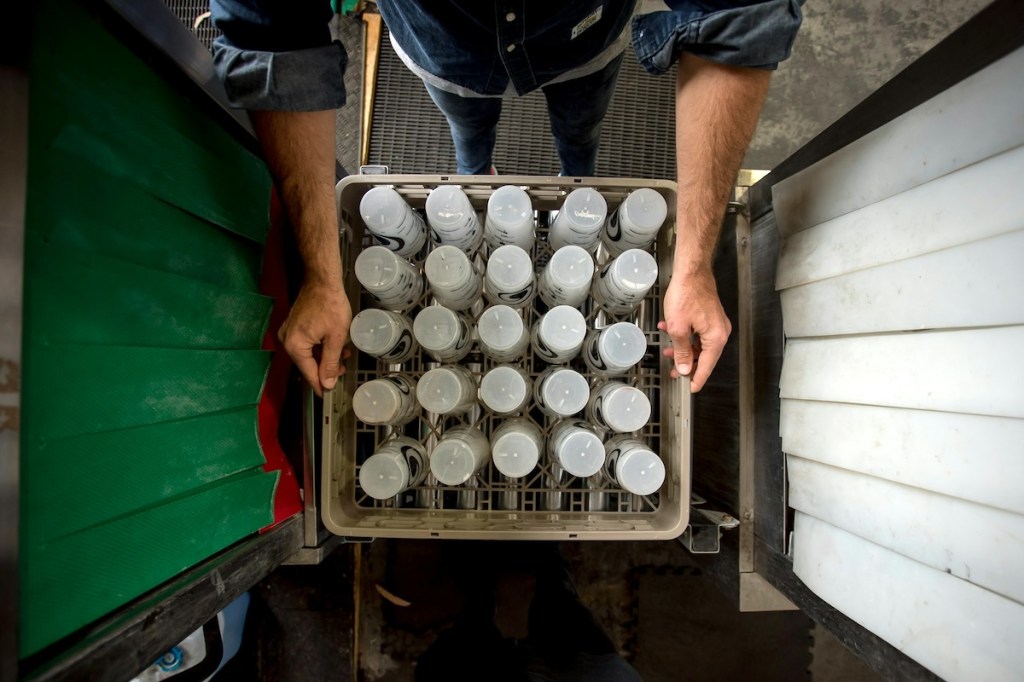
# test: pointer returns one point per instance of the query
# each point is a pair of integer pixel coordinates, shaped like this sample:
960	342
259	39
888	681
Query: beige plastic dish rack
536	507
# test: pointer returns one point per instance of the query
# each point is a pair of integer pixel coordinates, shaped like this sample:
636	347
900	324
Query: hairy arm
299	149
717	107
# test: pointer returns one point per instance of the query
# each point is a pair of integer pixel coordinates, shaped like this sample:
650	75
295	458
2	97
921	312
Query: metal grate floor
410	135
195	14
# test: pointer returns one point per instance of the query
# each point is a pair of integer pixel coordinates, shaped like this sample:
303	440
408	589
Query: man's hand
299	149
697	325
321	317
716	111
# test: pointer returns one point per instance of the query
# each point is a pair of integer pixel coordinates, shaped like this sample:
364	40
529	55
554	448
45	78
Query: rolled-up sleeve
278	54
752	34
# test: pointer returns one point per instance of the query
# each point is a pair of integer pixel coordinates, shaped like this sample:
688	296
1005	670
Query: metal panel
770	519
716	409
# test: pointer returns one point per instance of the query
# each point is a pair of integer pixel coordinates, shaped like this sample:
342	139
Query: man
277	60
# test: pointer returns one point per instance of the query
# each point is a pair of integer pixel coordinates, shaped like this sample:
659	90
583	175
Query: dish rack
539	506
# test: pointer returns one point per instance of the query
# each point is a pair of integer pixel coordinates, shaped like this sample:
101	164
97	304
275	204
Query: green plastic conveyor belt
143	327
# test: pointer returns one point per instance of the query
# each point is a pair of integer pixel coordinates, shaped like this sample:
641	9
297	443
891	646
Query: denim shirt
278	54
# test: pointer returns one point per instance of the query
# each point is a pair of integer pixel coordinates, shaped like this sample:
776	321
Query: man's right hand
321	316
299	149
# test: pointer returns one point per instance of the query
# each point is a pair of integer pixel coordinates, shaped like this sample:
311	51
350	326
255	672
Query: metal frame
728	420
13	184
371	60
704	534
318	542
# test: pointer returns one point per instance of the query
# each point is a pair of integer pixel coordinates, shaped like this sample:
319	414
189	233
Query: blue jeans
575	108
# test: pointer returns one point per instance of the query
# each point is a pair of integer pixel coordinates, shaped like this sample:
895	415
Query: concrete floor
845	51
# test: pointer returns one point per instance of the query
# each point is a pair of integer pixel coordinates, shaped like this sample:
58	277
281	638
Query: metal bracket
313	556
704	534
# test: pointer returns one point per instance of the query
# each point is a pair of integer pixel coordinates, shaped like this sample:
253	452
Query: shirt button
510	17
511	48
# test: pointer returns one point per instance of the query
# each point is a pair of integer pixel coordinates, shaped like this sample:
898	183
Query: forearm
716	113
299	150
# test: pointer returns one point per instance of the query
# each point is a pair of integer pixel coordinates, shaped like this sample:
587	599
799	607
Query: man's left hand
697	325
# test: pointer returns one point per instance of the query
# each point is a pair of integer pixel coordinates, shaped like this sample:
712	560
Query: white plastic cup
516	446
385	335
453	280
636	222
615	406
576	448
633	466
388	400
561	392
392	280
580	220
444	334
459	454
565	280
447	390
452	219
558	336
509	277
624	281
509	218
506	389
502	333
615	349
392	221
396	466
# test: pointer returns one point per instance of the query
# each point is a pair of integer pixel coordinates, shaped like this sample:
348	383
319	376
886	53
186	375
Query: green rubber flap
105	105
106	475
75	579
76	204
143	327
106	301
89	389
